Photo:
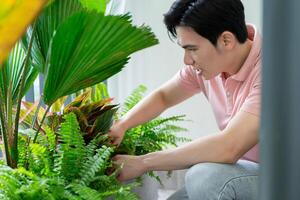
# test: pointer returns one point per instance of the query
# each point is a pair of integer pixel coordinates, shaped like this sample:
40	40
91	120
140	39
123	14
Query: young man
223	61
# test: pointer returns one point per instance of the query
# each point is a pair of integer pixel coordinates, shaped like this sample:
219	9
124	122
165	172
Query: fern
51	139
40	161
21	184
86	193
122	192
65	169
151	136
23	151
71	148
96	164
133	99
104	183
8	183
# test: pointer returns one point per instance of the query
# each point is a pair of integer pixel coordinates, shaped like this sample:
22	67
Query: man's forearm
213	148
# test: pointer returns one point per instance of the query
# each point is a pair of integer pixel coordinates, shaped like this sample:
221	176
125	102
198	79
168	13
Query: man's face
200	52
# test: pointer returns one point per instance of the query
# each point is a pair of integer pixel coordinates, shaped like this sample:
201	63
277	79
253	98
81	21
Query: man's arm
228	146
150	107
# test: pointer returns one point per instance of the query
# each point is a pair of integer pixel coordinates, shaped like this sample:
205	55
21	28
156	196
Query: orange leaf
15	16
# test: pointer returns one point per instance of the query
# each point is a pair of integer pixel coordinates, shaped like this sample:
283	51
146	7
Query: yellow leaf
15	16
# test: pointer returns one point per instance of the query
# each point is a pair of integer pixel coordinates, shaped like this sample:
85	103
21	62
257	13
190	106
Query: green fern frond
86	193
93	145
23	151
39	161
133	98
125	195
70	196
96	164
51	139
71	149
165	121
121	192
104	183
8	183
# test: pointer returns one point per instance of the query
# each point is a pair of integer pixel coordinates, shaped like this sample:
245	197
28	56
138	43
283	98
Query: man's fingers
117	141
114	140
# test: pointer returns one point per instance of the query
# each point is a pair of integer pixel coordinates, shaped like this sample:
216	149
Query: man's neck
239	57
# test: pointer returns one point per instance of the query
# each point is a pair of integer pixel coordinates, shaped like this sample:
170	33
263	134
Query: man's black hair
208	18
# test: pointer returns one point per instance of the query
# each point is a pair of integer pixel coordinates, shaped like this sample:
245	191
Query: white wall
253	12
157	64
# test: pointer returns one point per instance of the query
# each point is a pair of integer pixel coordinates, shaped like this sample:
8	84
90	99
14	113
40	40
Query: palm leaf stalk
4	130
34	120
40	125
14	148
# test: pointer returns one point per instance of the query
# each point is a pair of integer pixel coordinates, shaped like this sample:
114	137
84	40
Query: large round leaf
89	48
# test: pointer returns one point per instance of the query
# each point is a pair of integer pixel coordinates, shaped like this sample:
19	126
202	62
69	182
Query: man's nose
188	59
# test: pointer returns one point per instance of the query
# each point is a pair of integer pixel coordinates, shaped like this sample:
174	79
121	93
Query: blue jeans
214	181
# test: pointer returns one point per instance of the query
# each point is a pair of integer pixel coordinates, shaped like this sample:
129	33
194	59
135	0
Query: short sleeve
252	103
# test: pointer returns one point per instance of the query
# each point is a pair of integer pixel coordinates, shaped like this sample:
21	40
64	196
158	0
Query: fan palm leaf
46	25
89	48
11	72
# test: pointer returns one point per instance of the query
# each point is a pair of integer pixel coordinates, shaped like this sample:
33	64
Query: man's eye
192	49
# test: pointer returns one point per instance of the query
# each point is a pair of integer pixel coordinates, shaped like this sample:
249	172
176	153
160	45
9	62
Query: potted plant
73	48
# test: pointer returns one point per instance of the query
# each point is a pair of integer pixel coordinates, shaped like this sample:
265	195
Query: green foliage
133	99
10	74
74	46
94	117
75	49
96	164
61	166
98	5
70	149
151	136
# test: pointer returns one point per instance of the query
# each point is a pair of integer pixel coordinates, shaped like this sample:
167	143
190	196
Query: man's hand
132	166
116	133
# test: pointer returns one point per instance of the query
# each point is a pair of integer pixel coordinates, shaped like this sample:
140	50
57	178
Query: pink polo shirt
241	91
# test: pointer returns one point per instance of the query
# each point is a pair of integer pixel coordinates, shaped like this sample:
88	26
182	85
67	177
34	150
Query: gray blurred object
280	125
149	189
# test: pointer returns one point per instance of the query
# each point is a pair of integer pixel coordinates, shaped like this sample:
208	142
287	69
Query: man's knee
203	181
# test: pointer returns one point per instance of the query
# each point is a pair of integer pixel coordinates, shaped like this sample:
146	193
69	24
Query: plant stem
19	100
9	119
4	131
40	126
37	111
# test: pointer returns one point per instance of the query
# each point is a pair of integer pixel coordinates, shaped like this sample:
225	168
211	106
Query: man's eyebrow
189	46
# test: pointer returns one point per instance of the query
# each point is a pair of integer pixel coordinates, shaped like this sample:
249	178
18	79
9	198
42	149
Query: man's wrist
122	124
146	162
151	161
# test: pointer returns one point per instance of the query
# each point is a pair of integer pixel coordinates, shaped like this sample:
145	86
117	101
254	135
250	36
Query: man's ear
227	40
